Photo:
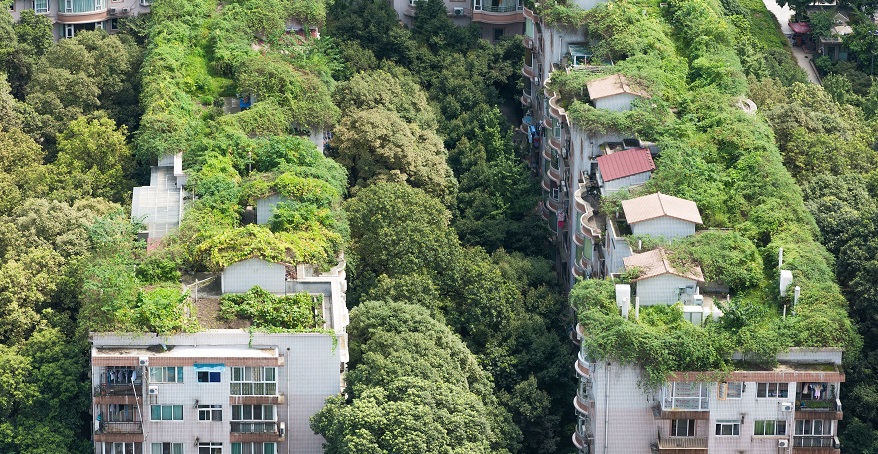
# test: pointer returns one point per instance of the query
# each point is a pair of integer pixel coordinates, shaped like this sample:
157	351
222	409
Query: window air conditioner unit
783	443
144	361
112	11
786	406
282	429
458	11
153	391
126	10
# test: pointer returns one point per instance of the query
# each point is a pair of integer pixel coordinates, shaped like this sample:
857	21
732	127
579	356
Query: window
210	412
685	396
210	448
683	428
166	375
730	390
254	381
120	413
114	24
556	128
119	375
122	448
498	33
772	389
208	377
69	31
813	427
254	448
728	428
412	2
770	427
167	413
167	448
12	5
41	6
253	418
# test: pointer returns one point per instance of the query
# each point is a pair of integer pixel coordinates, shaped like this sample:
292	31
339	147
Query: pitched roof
655	263
615	84
625	163
656	205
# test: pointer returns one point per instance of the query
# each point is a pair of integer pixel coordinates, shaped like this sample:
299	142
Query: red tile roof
800	27
625	163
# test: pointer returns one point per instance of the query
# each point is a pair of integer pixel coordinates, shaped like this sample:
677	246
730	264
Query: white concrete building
213	392
613	93
72	16
496	18
624	169
659	281
661	215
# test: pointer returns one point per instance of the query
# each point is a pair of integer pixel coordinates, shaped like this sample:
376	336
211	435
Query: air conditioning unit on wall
153	391
458	11
786	406
783	443
144	361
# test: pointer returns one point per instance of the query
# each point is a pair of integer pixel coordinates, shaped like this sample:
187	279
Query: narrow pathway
783	18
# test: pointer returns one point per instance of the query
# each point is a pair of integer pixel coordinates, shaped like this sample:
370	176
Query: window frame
253	450
212	447
172	448
778	427
211	376
210	412
240	409
174	410
689	428
160	375
764	389
811	425
735	428
723	388
241	385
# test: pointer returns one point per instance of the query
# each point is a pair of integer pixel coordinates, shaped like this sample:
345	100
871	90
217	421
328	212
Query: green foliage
724	256
163	311
290	312
156	270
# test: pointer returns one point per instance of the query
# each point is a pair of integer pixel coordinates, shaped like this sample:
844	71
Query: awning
800	27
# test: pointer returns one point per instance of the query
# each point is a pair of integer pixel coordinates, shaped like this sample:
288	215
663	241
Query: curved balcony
581	367
526	98
555	143
82	18
579	441
580	330
525	128
553	205
554	175
580	405
544	212
499	15
547	154
578	273
530	14
545	183
528	71
547	122
528	43
588	227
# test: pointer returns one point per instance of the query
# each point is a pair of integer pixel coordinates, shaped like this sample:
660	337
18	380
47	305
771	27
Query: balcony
527	41
528	72
547	153
119	427
581	367
582	443
555	143
553	204
554	175
499	14
525	98
580	405
818	409
577	270
261	427
689	445
119	389
816	444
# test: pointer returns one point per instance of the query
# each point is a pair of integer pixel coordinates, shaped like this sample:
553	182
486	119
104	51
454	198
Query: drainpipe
606	407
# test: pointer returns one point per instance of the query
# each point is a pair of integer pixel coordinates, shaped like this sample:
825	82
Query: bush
265	310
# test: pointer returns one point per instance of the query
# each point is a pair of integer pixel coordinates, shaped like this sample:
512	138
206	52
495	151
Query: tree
93	160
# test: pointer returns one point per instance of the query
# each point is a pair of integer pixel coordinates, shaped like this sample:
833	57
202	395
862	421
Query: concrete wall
242	276
664	226
609	187
663	289
616	248
623	419
618	102
309	375
265	207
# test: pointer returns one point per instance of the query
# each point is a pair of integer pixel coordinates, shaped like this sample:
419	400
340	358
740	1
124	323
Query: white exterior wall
616	248
265	207
622	419
748	409
609	187
664	226
309	375
618	102
242	276
663	289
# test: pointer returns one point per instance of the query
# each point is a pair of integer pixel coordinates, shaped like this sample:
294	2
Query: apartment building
496	18
213	392
72	16
790	409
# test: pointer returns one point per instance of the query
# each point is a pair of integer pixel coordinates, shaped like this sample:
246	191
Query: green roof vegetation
727	162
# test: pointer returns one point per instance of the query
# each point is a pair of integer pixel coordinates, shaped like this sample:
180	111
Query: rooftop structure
655	263
657	205
613	85
625	163
160	205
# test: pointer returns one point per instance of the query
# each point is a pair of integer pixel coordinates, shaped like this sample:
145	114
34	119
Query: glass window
767	390
730	390
769	427
728	428
210	412
167	448
41	6
166	374
210	448
683	428
166	413
253	381
208	377
254	448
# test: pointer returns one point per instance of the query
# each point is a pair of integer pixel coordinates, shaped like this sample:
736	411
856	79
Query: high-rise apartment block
71	16
496	18
792	408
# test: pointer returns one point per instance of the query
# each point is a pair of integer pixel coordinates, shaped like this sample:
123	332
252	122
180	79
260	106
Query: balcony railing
119	389
682	443
500	9
818	405
263	427
816	441
120	427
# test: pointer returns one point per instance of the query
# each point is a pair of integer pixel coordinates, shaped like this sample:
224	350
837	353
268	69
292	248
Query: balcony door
683	428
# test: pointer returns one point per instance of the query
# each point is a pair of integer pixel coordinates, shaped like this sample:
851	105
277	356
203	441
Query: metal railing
816	441
118	389
120	427
682	442
499	9
254	427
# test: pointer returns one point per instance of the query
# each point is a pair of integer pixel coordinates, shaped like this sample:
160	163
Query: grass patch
763	25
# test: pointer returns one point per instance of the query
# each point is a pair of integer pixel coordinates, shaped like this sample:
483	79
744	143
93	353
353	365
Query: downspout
606	407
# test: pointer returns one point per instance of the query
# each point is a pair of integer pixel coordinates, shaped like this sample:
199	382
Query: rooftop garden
727	162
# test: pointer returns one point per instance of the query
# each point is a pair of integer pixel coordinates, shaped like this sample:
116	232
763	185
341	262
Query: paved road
783	18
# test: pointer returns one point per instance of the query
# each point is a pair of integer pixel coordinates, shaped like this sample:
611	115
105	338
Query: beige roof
657	205
655	263
613	85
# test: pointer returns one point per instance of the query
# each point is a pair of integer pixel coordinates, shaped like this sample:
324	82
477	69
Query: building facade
496	18
72	16
213	392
